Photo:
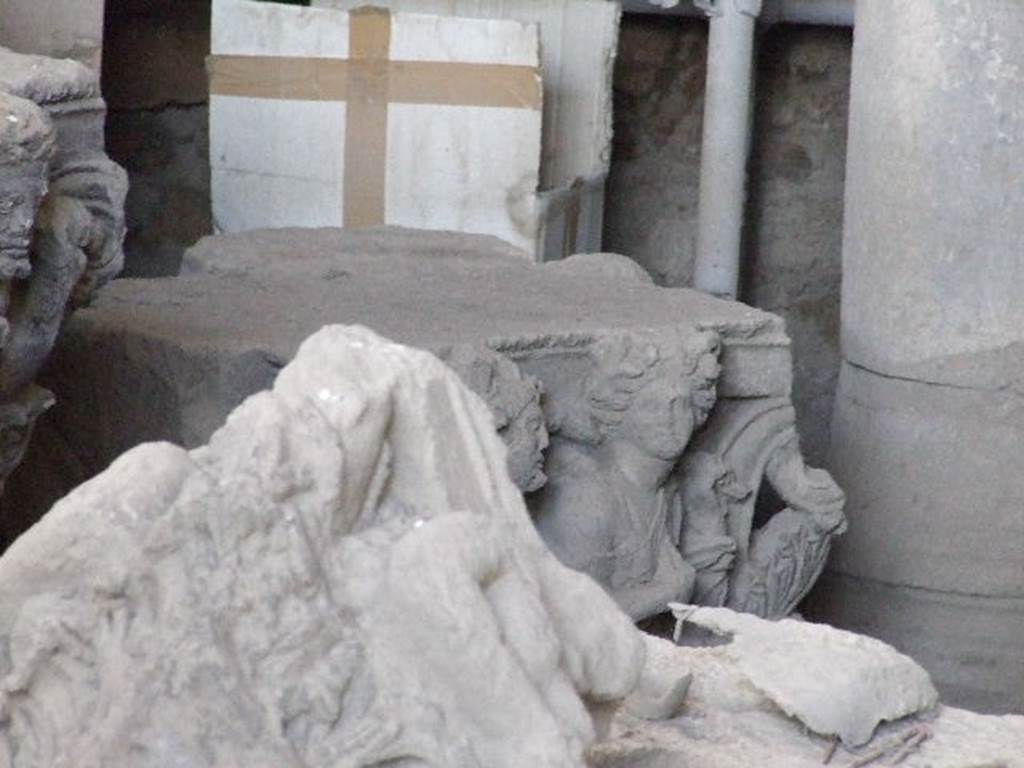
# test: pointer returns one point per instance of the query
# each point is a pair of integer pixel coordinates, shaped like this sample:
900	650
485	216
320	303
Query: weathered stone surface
726	722
26	150
929	414
46	80
618	360
345	572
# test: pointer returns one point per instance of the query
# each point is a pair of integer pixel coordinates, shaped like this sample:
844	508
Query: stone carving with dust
344	575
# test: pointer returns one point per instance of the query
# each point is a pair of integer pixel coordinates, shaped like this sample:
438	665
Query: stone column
928	435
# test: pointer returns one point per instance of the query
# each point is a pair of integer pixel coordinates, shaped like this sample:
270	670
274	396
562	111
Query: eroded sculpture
344	575
606	509
61	224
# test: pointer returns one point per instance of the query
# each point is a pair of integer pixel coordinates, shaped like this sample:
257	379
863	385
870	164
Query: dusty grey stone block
834	682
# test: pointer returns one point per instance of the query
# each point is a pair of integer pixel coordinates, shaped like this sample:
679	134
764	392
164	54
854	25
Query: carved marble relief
61	224
513	398
652	482
606	508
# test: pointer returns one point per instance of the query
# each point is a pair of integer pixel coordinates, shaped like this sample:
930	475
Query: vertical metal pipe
824	12
726	143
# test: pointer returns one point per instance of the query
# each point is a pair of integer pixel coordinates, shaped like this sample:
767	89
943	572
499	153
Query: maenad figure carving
26	150
77	246
606	509
513	398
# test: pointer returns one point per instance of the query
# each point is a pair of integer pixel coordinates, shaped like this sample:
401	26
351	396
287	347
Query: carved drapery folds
61	224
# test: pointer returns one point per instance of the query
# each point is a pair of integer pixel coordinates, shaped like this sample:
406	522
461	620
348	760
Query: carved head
26	148
514	401
652	389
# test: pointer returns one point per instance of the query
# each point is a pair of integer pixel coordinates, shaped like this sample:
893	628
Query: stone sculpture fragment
343	575
607	510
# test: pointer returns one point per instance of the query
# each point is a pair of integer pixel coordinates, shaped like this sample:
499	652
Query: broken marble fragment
725	722
836	683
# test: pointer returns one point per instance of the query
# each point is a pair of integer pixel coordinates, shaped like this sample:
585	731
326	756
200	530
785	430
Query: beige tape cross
368	81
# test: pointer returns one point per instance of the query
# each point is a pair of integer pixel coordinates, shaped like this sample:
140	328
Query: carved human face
673	403
526	437
659	420
20	195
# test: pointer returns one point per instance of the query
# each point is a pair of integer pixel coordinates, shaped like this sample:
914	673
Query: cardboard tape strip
366	118
410	82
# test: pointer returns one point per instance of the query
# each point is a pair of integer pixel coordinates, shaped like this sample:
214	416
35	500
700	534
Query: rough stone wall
794	236
155	85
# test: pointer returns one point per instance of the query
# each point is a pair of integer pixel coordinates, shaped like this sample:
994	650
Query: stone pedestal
929	421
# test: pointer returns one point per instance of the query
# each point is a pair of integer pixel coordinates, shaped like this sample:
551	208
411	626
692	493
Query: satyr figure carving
607	509
26	149
513	398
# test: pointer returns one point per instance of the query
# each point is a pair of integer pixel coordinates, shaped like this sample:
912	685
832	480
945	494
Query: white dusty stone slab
726	722
578	43
578	40
279	162
345	575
